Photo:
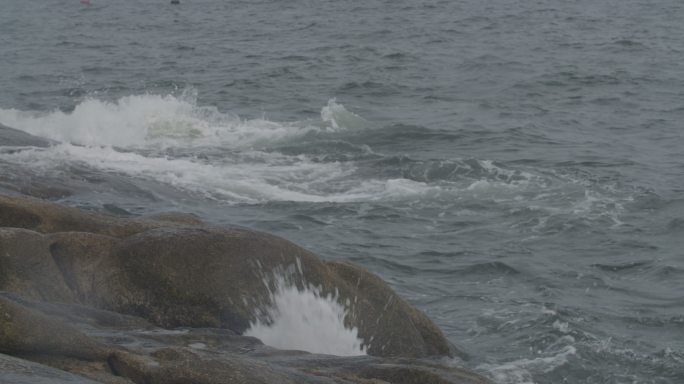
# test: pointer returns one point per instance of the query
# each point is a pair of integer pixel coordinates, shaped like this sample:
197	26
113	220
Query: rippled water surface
515	169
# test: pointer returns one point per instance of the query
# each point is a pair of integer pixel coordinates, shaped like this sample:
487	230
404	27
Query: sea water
513	169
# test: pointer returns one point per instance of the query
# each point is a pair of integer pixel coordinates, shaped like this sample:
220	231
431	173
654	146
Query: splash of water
307	320
145	120
340	118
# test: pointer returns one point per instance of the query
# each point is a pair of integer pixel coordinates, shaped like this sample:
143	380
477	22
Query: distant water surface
513	168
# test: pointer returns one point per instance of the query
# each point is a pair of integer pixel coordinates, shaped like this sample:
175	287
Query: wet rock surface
16	138
165	299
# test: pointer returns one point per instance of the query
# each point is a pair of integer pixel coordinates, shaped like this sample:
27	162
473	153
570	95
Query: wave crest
137	121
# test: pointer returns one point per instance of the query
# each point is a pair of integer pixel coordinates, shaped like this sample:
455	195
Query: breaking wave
200	150
166	121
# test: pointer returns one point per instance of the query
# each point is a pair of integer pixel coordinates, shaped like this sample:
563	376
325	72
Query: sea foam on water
173	140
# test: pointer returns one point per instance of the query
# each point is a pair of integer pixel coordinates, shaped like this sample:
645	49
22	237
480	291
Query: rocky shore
88	297
166	298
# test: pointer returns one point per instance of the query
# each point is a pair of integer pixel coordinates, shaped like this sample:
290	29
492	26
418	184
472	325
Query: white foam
340	118
240	182
253	177
521	371
308	321
143	120
130	135
563	327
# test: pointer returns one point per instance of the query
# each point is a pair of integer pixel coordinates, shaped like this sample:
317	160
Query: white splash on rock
307	320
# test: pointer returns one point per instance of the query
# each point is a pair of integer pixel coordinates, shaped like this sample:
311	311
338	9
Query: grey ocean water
513	168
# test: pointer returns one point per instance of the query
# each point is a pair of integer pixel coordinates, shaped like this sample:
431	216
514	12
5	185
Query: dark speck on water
514	169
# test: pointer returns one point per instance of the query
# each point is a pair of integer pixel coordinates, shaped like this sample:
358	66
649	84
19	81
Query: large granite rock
164	299
20	371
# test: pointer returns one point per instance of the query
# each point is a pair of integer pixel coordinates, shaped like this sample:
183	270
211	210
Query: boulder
132	299
27	331
106	347
45	217
20	371
182	273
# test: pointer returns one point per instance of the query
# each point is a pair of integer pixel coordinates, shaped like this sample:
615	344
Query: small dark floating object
175	1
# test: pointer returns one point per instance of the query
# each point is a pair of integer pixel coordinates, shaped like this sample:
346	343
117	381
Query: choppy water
515	169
